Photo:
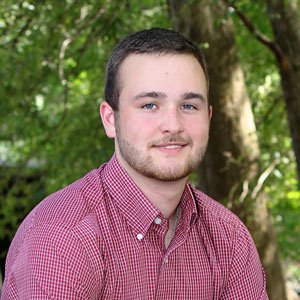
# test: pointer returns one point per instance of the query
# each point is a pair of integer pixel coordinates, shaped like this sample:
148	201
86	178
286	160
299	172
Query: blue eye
188	106
149	106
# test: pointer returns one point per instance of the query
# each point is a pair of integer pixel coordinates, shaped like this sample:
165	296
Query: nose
171	122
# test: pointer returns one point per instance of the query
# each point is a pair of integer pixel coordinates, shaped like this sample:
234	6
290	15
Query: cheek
137	126
137	132
198	133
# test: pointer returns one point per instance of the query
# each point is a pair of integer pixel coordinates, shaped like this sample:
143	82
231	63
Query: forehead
136	58
158	68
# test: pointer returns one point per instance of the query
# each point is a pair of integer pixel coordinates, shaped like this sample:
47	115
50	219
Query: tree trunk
285	21
231	169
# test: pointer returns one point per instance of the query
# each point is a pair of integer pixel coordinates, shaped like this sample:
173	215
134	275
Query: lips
171	143
170	146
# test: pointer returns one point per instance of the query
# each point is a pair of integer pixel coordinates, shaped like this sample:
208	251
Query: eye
149	106
189	107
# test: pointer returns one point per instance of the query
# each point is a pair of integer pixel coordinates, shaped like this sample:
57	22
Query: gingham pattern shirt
101	238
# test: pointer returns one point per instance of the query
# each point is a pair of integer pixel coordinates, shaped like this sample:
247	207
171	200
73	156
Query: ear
210	112
108	119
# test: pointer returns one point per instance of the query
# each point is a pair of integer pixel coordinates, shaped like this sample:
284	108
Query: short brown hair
155	40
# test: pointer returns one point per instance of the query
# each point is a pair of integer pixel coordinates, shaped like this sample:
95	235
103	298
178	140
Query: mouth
170	146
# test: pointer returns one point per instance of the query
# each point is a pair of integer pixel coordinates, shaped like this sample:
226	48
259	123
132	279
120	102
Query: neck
164	195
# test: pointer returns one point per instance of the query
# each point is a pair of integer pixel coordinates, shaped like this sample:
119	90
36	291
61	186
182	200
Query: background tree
285	21
273	34
231	171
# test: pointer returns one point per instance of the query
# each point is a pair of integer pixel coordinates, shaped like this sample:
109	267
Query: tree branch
63	79
263	177
97	32
271	45
245	191
269	111
63	48
15	40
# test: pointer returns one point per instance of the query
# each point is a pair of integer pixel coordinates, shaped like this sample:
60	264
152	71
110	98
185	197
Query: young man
135	228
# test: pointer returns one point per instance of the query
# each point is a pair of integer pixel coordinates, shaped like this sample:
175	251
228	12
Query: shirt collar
138	211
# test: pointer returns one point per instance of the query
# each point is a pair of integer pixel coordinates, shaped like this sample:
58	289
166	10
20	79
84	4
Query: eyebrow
161	95
187	96
155	95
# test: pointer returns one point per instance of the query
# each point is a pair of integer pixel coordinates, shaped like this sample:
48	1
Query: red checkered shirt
101	238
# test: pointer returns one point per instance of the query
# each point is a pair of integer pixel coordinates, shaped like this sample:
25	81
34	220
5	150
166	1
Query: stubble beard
145	164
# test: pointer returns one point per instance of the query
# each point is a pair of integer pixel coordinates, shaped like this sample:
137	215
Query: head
156	105
152	41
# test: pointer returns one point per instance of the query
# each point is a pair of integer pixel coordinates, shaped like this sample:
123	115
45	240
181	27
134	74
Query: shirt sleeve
52	263
247	278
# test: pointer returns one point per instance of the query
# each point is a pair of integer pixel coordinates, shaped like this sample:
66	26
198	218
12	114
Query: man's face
162	125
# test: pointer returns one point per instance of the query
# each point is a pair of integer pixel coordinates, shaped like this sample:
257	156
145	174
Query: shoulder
60	236
213	211
226	235
222	225
62	219
66	207
50	261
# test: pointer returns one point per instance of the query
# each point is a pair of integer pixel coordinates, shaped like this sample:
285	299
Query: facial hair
145	164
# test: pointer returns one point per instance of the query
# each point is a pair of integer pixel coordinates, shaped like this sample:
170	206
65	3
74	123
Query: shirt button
139	236
157	221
